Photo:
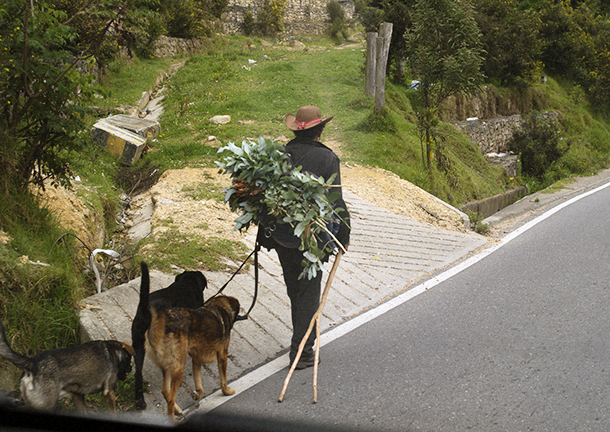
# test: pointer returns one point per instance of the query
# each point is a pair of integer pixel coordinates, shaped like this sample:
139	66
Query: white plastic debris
108	252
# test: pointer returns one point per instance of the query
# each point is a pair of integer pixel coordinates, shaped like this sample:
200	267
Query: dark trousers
304	298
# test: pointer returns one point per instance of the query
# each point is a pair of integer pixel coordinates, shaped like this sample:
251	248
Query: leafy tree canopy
46	50
444	51
510	41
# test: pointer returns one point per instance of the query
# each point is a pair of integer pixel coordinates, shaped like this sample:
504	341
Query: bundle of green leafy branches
266	184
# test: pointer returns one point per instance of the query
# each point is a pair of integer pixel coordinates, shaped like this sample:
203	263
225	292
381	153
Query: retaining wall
493	135
300	16
491	205
170	47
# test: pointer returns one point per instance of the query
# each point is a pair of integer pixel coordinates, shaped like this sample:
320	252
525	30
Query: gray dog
78	371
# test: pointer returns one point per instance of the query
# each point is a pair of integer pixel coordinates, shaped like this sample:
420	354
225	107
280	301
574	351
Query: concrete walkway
387	255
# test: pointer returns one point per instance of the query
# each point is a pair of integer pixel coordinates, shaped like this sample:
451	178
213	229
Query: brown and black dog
89	368
202	333
186	291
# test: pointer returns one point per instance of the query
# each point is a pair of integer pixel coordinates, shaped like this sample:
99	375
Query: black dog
78	371
186	292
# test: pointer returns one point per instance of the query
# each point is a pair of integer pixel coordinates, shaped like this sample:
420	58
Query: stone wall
493	135
300	16
169	47
490	135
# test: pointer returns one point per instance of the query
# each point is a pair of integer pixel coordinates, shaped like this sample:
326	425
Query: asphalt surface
515	340
388	256
532	206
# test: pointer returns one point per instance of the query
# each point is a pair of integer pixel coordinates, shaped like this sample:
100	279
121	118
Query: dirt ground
400	197
175	202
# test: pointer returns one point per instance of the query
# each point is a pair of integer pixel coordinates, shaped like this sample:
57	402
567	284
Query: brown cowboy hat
307	117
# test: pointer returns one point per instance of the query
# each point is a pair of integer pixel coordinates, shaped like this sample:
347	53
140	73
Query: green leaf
294	197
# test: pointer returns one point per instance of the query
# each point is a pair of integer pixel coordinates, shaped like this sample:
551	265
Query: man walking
308	152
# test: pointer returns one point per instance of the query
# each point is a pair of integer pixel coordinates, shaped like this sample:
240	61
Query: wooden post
385	30
380	75
371	50
383	46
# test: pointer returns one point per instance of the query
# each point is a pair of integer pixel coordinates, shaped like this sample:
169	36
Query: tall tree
598	82
444	51
43	48
565	41
576	46
510	41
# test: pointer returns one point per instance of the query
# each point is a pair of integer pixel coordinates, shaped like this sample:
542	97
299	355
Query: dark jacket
317	159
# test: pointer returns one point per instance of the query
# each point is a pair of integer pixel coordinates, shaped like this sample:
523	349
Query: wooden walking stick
316	360
315	319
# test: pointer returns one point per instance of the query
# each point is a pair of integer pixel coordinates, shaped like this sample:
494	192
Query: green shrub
270	17
538	145
476	222
191	18
338	25
249	24
144	46
510	40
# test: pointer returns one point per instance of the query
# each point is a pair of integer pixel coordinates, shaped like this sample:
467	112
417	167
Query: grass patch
559	185
124	391
256	96
126	80
40	281
205	191
191	252
97	173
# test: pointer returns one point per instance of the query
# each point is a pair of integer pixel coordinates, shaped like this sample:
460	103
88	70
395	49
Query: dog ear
203	282
128	348
234	305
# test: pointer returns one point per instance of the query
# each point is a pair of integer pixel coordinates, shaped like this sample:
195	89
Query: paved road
387	255
516	341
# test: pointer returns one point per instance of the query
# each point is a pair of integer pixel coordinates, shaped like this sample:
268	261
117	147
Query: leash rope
255	253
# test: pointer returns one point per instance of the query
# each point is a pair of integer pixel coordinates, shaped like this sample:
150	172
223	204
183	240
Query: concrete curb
530	206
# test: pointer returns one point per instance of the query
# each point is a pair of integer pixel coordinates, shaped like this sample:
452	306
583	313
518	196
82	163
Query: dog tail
18	360
144	290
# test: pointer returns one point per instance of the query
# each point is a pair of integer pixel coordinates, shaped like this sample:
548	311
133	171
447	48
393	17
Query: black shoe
306	363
